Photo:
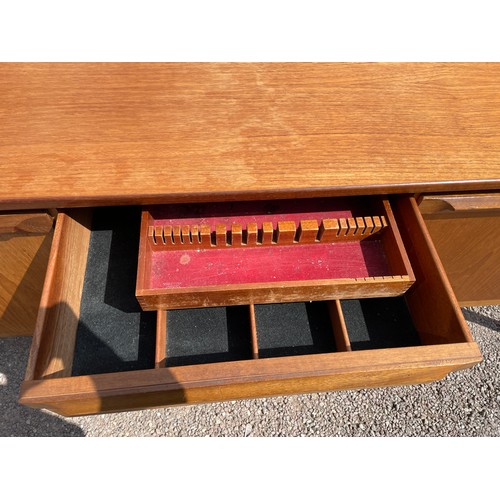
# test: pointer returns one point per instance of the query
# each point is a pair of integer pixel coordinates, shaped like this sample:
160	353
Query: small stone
248	430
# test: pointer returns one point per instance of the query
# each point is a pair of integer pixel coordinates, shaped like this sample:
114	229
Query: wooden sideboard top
98	133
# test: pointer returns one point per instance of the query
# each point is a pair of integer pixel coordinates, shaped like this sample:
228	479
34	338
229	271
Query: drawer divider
253	331
161	339
339	328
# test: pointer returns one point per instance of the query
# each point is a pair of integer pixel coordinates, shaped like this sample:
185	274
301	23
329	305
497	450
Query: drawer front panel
247	379
464	230
25	240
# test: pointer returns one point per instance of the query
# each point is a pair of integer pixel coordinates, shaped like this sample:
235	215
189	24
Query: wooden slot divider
220	235
205	237
343	227
186	234
352	227
369	226
151	235
308	231
378	223
168	235
236	235
286	232
339	328
159	235
195	234
328	230
177	235
267	233
253	331
360	229
161	339
251	234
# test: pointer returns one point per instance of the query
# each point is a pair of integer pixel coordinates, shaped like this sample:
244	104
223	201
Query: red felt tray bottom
267	264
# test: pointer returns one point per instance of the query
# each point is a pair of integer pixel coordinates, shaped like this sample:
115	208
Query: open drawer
95	350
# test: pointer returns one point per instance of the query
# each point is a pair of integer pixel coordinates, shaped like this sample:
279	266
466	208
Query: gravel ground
466	403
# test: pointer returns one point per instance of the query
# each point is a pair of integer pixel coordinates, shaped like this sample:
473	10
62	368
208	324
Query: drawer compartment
206	335
221	254
95	350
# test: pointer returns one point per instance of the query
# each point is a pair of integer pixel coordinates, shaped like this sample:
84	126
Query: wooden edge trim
161	339
44	299
459	203
144	251
277	284
42	202
152	300
339	328
393	226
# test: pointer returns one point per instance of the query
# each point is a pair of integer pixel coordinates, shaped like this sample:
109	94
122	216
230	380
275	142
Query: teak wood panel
23	262
465	231
48	386
119	133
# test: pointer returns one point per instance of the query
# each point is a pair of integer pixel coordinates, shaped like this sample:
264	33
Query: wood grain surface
91	134
52	349
23	262
27	223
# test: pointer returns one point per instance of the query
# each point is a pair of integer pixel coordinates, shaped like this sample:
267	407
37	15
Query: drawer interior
234	253
96	350
379	323
206	335
292	329
113	333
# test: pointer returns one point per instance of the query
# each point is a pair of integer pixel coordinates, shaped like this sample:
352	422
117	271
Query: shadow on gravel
18	420
480	319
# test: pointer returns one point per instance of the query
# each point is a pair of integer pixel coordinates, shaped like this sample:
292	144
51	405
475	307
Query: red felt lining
191	266
267	264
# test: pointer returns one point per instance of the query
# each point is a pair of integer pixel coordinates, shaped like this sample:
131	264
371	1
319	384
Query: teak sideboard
187	233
